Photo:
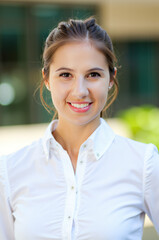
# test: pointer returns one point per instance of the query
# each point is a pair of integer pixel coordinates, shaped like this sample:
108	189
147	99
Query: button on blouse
115	184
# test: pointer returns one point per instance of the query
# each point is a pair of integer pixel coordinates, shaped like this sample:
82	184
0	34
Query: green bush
143	123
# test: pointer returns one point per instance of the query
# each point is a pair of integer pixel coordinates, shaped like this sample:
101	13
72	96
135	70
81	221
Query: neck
71	136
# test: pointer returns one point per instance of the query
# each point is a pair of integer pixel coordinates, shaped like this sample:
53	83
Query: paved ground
150	234
14	137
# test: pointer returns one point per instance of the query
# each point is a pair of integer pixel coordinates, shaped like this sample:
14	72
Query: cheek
103	97
58	95
101	93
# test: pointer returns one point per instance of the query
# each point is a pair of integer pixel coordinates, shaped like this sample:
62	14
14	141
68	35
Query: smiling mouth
81	105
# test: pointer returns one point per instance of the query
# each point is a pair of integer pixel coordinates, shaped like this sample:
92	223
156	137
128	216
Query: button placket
81	166
70	195
72	187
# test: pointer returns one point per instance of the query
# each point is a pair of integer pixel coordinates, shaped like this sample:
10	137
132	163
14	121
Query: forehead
79	52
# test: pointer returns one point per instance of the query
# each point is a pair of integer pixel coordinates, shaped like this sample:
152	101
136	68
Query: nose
80	88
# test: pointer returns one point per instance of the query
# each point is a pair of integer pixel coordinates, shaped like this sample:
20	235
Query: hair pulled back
80	30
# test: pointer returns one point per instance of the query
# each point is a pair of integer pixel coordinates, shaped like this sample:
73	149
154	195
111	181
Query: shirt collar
48	138
98	142
101	139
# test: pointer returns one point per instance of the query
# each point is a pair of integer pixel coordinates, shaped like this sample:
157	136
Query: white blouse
115	184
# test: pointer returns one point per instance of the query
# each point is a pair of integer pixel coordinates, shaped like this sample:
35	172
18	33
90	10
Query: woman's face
78	82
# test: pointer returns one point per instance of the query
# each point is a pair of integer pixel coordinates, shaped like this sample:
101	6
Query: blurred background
24	26
133	26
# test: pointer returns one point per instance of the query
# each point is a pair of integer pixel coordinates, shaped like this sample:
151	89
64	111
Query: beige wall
131	19
122	19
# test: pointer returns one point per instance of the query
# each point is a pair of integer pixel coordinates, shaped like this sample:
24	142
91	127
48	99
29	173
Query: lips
77	105
80	107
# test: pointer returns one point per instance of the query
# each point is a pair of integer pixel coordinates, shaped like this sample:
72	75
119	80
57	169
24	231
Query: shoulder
132	146
17	167
124	144
134	151
22	157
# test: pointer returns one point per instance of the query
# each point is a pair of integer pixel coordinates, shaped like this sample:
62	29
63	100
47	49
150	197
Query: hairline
93	42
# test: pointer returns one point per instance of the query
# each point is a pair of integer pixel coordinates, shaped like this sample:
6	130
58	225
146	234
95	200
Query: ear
46	82
115	71
47	85
111	83
43	74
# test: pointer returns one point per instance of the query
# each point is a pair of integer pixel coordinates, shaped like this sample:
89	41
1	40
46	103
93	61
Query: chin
82	121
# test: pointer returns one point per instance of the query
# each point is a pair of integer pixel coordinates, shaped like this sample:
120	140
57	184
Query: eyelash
65	74
94	73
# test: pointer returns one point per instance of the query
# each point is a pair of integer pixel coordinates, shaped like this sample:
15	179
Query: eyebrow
64	68
69	69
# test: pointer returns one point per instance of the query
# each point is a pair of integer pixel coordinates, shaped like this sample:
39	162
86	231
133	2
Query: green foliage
143	123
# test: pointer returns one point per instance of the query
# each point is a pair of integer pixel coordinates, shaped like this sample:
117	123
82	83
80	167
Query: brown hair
80	30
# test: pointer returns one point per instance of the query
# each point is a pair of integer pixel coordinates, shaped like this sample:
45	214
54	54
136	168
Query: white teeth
80	105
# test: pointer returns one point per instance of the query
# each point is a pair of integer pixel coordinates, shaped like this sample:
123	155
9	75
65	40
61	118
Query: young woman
81	181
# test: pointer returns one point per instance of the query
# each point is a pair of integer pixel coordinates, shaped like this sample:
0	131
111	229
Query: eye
94	75
65	75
